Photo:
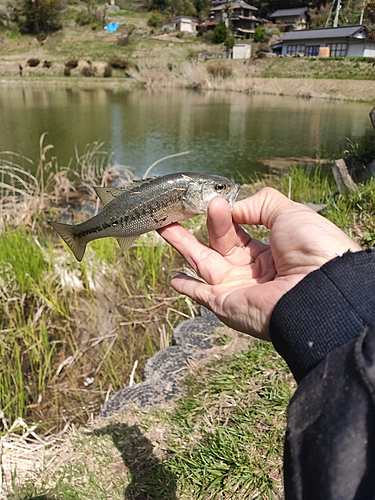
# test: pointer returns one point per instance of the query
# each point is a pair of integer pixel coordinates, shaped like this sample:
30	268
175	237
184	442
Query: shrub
259	34
88	71
193	55
263	47
123	40
208	36
229	42
107	71
220	33
73	63
96	25
156	19
33	62
118	63
84	18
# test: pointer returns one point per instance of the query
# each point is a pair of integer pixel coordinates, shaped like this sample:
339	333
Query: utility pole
336	20
362	11
329	15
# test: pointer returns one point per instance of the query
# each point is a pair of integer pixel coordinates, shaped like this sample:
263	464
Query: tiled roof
235	5
289	12
339	32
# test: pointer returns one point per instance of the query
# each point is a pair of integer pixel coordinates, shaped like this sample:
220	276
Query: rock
317	207
164	372
342	177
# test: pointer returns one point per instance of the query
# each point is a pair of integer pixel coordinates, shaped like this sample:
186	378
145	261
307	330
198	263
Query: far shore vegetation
73	48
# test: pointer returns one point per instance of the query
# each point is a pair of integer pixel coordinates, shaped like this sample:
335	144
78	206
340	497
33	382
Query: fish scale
146	205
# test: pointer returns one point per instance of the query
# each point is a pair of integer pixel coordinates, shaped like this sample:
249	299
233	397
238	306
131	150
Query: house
290	18
237	15
184	23
338	42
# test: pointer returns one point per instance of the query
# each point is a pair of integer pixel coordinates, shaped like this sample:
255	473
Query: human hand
244	278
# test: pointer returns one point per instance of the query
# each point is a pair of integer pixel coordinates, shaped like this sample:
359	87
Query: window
312	50
295	49
337	49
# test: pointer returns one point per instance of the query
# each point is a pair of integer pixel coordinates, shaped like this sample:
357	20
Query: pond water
226	132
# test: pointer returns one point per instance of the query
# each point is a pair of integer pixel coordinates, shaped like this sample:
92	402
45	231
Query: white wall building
241	51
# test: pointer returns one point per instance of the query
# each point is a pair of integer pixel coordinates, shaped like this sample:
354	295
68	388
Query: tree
259	34
220	33
38	17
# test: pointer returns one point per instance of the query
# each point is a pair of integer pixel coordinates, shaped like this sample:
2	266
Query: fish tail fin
66	232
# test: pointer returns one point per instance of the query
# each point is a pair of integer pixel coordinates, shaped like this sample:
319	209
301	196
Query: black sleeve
324	329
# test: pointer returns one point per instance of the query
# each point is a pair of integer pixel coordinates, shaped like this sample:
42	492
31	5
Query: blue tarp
111	27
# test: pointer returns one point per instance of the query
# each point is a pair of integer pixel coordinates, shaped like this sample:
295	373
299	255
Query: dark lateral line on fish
96	229
125	219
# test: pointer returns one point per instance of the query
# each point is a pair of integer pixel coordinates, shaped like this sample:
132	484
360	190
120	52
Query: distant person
311	291
20	69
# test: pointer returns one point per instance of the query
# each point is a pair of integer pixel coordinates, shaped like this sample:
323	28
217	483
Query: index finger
205	261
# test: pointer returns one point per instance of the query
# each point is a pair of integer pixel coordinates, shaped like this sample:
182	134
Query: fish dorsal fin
107	194
126	243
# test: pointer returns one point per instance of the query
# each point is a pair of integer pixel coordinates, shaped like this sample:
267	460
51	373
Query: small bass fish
145	205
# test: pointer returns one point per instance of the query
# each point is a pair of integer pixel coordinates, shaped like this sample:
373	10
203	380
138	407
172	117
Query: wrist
328	308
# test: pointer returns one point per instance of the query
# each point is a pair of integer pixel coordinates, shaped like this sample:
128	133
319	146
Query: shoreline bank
308	88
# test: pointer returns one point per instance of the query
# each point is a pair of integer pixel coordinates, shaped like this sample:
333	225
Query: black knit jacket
325	330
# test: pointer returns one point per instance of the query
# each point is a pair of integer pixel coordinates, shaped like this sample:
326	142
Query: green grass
354	213
227	431
308	184
28	302
41	320
331	68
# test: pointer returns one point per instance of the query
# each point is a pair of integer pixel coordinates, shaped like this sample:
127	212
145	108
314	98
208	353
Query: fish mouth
231	198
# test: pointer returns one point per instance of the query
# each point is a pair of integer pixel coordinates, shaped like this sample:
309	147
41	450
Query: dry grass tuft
24	196
219	70
23	453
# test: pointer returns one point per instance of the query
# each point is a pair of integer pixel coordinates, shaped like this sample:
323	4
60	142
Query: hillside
139	56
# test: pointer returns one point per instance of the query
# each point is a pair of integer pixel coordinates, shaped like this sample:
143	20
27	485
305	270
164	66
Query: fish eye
220	186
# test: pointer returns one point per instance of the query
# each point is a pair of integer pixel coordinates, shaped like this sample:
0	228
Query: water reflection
227	132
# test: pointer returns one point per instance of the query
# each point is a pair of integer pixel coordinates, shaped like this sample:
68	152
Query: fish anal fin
126	243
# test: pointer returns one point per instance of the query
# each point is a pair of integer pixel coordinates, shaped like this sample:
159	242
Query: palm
244	278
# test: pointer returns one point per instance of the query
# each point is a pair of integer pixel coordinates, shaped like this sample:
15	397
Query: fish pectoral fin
65	231
106	195
126	243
